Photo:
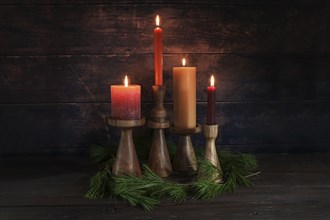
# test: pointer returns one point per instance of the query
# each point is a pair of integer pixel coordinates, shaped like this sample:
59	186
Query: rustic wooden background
271	60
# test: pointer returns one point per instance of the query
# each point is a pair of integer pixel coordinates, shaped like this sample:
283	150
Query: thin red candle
158	36
211	103
126	101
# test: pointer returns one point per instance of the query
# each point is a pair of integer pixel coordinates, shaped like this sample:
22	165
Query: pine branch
100	186
147	190
174	191
101	154
206	189
207	171
135	191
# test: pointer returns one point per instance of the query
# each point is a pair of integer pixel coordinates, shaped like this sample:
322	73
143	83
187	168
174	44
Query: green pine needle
135	190
101	154
100	186
163	188
147	191
205	189
207	171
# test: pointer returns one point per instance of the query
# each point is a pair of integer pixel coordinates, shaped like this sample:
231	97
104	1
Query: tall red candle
126	101
211	103
158	36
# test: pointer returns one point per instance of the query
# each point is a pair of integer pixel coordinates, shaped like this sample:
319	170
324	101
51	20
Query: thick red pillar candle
211	103
126	101
158	32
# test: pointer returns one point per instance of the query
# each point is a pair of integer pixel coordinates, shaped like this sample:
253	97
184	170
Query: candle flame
183	62
157	20
212	80
126	81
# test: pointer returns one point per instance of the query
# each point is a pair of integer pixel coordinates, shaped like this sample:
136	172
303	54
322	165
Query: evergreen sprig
101	154
147	191
165	189
135	190
100	186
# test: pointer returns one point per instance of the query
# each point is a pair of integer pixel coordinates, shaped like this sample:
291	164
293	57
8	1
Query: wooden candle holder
126	159
185	157
210	133
159	159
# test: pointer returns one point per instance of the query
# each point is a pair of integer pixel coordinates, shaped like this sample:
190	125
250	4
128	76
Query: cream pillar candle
184	96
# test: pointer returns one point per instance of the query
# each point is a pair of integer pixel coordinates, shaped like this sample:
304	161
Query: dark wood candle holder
159	159
126	159
185	157
210	133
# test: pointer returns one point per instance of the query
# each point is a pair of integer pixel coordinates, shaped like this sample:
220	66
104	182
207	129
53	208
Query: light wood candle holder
159	159
126	161
211	133
185	157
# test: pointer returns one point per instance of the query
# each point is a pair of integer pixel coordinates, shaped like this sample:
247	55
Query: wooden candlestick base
126	161
185	157
210	133
159	160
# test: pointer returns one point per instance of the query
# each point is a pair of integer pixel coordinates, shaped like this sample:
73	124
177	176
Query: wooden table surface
291	186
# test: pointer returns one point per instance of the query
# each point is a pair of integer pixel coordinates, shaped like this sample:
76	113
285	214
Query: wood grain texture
164	2
57	79
107	29
289	187
282	210
258	127
270	59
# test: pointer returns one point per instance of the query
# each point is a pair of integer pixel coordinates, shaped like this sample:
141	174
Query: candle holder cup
126	161
159	159
210	133
185	157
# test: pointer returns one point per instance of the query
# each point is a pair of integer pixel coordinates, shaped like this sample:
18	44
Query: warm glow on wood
212	80
126	81
183	62
157	20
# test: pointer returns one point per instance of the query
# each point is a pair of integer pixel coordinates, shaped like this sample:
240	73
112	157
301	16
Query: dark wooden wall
271	60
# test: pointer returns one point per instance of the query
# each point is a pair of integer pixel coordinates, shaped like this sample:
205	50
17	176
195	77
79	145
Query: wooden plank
204	210
283	122
69	177
52	129
275	148
255	127
163	2
52	187
56	190
57	79
304	163
106	29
